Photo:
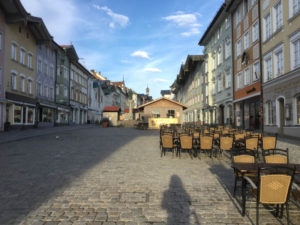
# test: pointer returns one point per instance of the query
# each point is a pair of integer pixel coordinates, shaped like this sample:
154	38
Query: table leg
243	197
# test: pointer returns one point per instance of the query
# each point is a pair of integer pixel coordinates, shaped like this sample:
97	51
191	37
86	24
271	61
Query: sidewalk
16	135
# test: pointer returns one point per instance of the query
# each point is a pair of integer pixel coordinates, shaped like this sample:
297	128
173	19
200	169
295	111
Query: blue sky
144	41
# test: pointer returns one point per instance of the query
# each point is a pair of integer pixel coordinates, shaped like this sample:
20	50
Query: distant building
167	94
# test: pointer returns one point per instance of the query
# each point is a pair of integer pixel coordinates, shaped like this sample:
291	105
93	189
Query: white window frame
292	11
247	40
22	82
14	49
268	75
227	48
13	81
295	38
267	29
22	55
239	47
13	118
239	81
29	60
255	31
29	86
254	78
277	63
228	80
247	76
277	19
65	92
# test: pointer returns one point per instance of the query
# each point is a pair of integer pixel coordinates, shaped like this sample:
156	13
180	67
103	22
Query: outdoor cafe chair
226	145
268	143
167	144
272	188
252	144
243	157
278	156
186	143
206	144
239	140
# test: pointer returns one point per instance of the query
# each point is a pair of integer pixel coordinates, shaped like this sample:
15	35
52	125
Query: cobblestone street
114	176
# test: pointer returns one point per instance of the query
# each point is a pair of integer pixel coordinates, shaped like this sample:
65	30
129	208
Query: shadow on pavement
177	203
35	169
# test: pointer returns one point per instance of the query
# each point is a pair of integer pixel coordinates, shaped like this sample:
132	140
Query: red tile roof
120	84
126	110
111	109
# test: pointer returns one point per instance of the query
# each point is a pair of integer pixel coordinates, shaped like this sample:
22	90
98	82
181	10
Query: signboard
155	123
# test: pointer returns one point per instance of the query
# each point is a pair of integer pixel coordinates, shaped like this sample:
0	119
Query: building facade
281	66
45	83
217	41
246	63
2	69
62	87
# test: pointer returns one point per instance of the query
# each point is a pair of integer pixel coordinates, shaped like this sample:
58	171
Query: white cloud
189	21
140	54
160	80
154	70
119	19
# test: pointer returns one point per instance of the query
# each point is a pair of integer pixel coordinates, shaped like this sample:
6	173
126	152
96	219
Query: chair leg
257	212
287	213
235	183
161	154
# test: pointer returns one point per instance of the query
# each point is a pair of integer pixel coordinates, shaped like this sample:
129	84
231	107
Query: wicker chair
276	156
167	143
206	144
226	145
268	143
239	140
252	144
273	188
244	157
186	143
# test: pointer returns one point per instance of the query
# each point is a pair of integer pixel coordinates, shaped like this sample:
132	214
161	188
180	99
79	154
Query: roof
71	52
207	32
111	109
165	92
119	83
126	110
162	98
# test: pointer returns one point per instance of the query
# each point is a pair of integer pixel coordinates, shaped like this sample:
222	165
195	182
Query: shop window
30	115
17	114
47	115
171	114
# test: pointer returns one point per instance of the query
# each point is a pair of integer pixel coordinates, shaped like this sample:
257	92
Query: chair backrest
167	141
276	159
206	132
252	143
186	142
216	136
225	131
243	159
226	143
275	184
196	135
268	143
206	142
239	136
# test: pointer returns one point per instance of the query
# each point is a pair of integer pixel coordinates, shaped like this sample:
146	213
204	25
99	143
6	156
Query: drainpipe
261	69
232	66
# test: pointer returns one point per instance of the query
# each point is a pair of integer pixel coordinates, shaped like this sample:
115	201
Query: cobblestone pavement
115	176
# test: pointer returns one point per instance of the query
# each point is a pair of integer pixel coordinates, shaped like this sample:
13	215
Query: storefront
248	113
62	115
45	114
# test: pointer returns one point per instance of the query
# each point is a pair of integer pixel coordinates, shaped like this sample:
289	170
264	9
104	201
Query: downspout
261	69
232	66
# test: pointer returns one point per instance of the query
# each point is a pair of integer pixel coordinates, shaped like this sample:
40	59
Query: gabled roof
162	98
71	52
111	109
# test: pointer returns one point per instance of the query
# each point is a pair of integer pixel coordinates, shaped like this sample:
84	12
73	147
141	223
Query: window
298	109
268	68
45	68
45	91
215	86
51	71
238	15
65	92
29	61
72	75
40	65
269	113
39	89
30	115
239	81
14	81
14	52
220	84
51	93
228	80
29	86
238	47
247	77
267	27
17	114
295	51
255	32
246	9
22	84
22	56
227	23
256	71
227	48
253	2
278	64
246	41
295	7
171	114
277	16
65	73
219	60
57	90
